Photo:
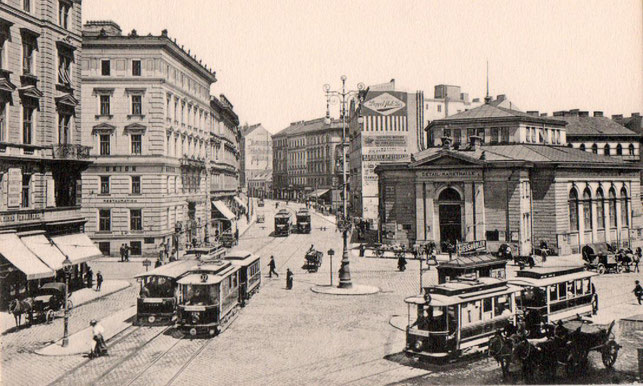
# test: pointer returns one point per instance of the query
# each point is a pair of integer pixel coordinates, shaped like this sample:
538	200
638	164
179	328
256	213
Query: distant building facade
387	126
256	152
148	116
447	100
306	161
260	185
512	179
42	151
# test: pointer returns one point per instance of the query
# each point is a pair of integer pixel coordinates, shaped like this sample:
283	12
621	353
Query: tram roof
214	273
441	299
172	270
473	261
241	257
541	280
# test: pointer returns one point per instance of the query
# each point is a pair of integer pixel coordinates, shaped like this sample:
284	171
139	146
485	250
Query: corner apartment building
41	147
307	161
256	153
149	120
387	126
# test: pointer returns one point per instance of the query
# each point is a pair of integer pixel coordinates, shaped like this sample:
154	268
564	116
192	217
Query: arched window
631	149
600	209
449	194
619	149
612	204
625	210
582	146
587	209
606	149
573	210
595	148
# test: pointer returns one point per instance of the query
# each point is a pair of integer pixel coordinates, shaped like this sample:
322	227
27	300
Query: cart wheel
49	316
620	268
609	353
601	269
575	362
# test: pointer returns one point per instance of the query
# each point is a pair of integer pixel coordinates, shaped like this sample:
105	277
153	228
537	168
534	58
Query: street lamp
67	266
343	96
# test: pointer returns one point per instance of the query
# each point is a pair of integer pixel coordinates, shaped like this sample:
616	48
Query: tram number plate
419	333
148	300
194	308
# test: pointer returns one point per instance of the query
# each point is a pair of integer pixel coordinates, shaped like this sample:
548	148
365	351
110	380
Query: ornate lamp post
343	96
67	266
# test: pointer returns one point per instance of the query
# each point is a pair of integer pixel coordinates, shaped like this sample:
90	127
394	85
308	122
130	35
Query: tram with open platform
249	272
156	302
208	296
458	317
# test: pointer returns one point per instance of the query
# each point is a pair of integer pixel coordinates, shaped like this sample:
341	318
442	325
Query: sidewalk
78	298
82	342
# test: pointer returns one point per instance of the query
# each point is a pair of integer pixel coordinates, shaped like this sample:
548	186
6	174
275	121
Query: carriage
458	317
552	294
249	272
580	343
602	258
208	296
313	260
261	218
47	301
156	302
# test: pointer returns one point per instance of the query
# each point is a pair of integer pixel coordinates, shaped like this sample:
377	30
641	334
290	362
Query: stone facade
150	121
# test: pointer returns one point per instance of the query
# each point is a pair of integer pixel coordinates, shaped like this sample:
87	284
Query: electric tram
458	317
550	294
207	252
156	302
283	222
208	296
249	272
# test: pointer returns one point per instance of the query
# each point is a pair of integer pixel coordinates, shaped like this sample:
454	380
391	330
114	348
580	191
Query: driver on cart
311	249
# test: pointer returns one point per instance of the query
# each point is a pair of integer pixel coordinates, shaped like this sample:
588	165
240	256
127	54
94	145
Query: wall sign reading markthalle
456	173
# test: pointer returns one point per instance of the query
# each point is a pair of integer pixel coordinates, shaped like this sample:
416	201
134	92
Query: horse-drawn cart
43	306
594	338
313	261
602	258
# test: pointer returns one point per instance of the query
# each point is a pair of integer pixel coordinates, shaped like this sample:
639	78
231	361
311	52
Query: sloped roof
302	127
593	126
245	130
488	111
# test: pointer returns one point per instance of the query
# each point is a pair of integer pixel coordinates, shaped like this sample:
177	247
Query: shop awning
14	250
221	207
78	247
46	251
319	192
238	200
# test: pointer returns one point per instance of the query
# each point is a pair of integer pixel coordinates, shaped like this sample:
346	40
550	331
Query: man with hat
99	348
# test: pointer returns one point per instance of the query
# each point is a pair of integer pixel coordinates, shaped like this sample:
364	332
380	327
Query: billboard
385	103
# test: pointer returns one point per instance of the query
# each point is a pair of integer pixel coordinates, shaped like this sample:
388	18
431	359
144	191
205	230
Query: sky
272	57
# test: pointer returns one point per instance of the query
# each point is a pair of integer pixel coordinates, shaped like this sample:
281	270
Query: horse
500	348
541	355
18	307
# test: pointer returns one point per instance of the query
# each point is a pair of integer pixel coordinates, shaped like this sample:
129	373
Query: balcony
70	151
192	162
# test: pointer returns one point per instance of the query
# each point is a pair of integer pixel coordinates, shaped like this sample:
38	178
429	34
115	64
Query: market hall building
502	175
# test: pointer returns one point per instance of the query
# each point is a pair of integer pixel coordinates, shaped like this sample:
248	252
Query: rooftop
584	125
491	112
301	127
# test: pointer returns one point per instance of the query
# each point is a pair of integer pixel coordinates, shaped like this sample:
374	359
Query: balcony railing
70	151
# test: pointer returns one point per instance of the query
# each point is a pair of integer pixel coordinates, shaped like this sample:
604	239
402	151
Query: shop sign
456	173
386	157
385	104
380	141
120	200
13	218
471	246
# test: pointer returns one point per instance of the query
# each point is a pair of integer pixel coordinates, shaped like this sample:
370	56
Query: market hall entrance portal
450	216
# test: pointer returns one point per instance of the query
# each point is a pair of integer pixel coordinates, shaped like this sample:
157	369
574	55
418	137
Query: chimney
617	116
583	113
446	143
501	97
476	142
534	113
598	113
573	112
164	33
543	114
636	114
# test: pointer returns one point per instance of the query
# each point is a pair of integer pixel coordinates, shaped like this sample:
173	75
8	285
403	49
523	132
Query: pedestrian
127	249
99	280
90	277
362	249
158	263
122	250
638	291
272	265
289	276
636	259
99	348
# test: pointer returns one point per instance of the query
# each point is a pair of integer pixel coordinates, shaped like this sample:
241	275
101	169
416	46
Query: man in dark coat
122	250
289	279
272	265
638	291
99	280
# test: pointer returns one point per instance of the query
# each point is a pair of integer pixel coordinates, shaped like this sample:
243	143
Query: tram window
562	291
579	287
553	293
452	319
472	313
502	305
487	305
570	290
587	285
431	318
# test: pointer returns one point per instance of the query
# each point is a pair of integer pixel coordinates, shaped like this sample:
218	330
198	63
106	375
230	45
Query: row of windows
64	9
486	309
106	67
607	149
600	203
28	117
496	134
105	220
136	144
105	102
543	135
105	187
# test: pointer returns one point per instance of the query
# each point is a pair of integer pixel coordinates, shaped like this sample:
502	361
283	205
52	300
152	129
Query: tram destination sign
471	247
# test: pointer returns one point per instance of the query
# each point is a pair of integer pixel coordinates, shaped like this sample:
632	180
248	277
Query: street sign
147	263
